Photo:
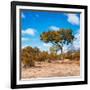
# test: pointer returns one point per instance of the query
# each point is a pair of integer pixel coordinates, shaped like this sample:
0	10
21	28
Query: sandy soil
53	69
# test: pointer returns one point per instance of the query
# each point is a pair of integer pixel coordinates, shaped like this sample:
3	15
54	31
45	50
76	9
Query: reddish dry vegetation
53	69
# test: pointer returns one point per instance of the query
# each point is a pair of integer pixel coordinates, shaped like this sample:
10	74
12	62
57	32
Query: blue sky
33	23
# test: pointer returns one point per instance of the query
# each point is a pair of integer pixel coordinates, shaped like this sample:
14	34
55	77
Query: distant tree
58	38
54	49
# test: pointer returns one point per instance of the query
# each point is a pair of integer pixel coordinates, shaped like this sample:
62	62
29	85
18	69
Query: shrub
42	56
72	56
27	57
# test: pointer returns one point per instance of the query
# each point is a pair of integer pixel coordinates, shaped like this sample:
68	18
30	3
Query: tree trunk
62	54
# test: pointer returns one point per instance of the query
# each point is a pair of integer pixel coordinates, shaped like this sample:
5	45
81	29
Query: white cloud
54	28
25	39
73	19
47	45
23	46
65	49
22	15
29	31
76	42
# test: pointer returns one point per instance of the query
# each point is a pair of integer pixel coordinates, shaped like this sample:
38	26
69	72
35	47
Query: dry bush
42	56
72	56
27	57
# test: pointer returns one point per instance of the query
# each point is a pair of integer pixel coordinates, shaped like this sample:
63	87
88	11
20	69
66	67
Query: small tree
58	38
54	49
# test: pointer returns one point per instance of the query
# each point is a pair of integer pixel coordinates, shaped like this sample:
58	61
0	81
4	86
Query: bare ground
53	69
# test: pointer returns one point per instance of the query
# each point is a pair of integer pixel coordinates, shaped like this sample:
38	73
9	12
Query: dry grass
54	69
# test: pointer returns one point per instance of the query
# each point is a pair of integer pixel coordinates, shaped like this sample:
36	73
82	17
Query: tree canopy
58	38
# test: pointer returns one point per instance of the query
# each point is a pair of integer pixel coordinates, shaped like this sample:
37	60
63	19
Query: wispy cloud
23	46
47	45
76	42
25	39
22	15
29	31
54	28
73	19
25	42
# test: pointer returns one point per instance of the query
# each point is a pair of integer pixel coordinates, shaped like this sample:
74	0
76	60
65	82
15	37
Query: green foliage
54	49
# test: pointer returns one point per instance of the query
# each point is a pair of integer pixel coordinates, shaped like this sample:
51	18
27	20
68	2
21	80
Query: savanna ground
57	68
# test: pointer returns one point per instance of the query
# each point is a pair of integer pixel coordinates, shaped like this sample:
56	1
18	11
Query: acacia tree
58	38
54	49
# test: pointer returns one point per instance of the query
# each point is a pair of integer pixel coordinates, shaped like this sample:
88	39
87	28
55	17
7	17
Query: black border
13	44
